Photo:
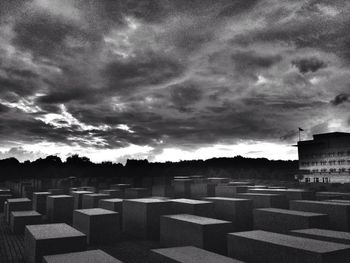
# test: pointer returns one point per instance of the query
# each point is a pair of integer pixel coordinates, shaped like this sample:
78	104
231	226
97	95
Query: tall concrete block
266	200
191	230
87	188
135	193
229	190
78	198
188	254
59	208
3	198
219	180
291	194
114	204
201	190
56	191
120	186
19	219
101	226
283	220
338	213
182	188
39	201
323	234
50	239
261	246
141	216
91	200
17	204
113	193
163	190
96	256
236	210
192	207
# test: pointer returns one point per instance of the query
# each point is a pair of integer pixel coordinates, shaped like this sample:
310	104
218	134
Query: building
326	158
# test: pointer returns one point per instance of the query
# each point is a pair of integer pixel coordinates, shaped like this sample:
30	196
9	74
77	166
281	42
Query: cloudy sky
171	79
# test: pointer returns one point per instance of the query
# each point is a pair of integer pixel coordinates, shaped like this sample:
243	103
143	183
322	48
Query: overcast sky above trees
171	79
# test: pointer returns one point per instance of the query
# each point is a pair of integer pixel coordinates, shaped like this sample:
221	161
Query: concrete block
332	195
59	208
51	239
236	210
229	190
19	219
3	198
291	194
17	204
101	226
182	188
262	246
323	234
245	183
192	207
163	190
338	213
113	193
188	254
266	200
141	217
219	180
78	198
283	220
91	200
87	188
200	190
114	204
191	230
56	191
39	201
92	256
120	186
132	193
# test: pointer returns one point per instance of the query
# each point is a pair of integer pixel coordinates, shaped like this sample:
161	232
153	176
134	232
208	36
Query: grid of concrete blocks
192	219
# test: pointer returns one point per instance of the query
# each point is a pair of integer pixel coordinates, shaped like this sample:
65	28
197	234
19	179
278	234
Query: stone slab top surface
113	200
227	199
301	243
90	256
191	254
321	202
290	212
324	233
25	213
339	201
147	200
110	190
82	192
53	231
197	219
332	193
95	211
41	193
183	180
18	200
97	194
189	201
260	194
60	196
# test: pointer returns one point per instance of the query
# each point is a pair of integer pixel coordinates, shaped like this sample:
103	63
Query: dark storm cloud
340	99
306	65
172	73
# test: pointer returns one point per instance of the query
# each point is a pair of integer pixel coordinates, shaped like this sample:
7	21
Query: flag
300	129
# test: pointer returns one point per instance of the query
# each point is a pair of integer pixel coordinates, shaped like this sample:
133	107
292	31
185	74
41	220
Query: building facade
326	158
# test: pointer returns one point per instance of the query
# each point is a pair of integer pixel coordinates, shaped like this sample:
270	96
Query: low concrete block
50	239
113	193
141	216
229	190
134	193
338	213
283	220
192	207
188	254
323	234
332	195
3	198
236	210
95	256
78	198
91	200
262	246
39	201
19	219
191	230
266	200
17	204
59	208
101	226
201	190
